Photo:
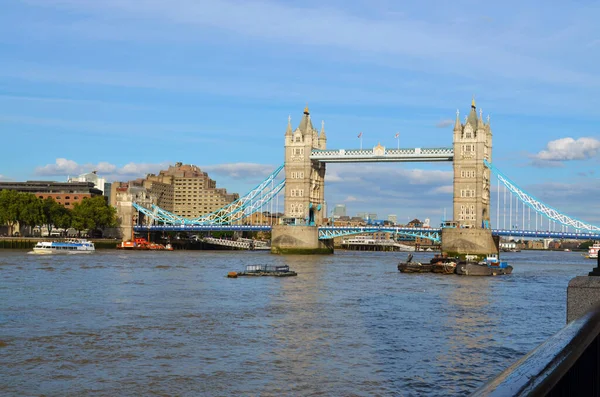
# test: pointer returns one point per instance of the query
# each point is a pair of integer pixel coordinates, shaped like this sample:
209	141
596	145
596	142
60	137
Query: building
122	195
64	193
472	145
184	190
304	195
339	210
99	183
393	219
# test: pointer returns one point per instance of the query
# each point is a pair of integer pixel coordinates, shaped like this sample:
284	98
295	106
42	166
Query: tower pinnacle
322	135
457	122
288	131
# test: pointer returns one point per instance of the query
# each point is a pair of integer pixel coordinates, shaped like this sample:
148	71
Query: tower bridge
306	155
302	229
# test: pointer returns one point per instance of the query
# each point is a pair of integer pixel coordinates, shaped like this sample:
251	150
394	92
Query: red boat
143	244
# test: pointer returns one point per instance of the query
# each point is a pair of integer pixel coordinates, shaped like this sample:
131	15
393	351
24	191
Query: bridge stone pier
471	204
304	197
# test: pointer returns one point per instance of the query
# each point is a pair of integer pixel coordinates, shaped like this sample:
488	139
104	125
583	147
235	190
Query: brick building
64	193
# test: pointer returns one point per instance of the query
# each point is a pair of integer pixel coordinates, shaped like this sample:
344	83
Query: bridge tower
304	179
472	144
304	197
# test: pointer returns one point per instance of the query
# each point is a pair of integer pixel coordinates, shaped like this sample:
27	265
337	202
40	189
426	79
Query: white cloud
60	167
567	149
449	189
64	167
352	199
444	123
240	170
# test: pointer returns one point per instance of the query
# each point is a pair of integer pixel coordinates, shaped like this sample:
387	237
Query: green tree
55	215
9	209
31	210
93	213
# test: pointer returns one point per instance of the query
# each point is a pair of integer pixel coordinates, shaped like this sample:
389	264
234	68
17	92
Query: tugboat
491	266
414	267
264	270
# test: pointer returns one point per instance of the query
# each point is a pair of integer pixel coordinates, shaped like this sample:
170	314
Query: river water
171	324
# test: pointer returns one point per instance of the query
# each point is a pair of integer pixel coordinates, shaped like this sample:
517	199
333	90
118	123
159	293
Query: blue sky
127	87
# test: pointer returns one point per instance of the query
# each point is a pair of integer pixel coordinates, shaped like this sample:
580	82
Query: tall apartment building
185	190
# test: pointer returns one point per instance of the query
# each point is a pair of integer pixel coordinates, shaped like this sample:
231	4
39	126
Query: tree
31	212
93	213
55	215
9	208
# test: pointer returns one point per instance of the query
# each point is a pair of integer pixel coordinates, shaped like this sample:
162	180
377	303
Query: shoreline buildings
182	189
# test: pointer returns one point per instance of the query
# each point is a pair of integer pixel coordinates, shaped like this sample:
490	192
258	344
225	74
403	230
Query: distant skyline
129	87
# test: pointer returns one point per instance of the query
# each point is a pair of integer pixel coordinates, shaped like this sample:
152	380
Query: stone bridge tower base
462	241
304	197
298	240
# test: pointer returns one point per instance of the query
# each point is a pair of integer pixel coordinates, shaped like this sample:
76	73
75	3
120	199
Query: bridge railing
567	364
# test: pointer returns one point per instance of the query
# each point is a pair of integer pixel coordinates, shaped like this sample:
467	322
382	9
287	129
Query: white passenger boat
71	246
593	250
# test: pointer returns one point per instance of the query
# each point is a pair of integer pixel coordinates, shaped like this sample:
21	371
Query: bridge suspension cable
241	208
553	215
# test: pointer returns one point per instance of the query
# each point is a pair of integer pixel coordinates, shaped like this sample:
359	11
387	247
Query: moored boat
265	270
444	267
491	266
70	246
443	264
593	251
144	245
414	267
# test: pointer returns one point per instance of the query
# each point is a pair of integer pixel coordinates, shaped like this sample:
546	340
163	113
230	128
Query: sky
128	87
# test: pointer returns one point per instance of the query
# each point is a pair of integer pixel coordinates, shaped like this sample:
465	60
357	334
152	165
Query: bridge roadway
328	232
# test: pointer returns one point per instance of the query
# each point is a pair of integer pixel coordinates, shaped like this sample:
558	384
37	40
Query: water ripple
350	324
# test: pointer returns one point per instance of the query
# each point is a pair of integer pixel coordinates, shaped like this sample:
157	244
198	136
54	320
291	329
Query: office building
339	210
64	193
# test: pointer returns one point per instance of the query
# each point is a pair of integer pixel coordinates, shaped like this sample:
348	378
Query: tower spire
457	125
288	131
322	135
472	118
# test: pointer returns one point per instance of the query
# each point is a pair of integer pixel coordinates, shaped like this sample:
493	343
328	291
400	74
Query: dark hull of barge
415	267
477	269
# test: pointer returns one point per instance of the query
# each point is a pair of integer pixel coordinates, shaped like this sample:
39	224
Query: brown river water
171	324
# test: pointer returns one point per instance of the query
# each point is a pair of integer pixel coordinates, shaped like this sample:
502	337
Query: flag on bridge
359	135
397	135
